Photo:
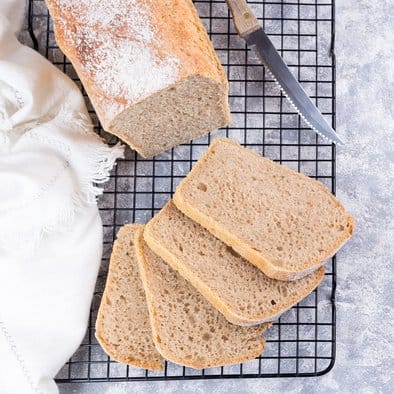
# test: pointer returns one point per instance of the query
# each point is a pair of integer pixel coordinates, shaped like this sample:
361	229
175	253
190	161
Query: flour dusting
130	70
119	16
118	48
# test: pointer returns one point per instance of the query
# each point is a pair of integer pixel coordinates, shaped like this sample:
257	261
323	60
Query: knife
248	28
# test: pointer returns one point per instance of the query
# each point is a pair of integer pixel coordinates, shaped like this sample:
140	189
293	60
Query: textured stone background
364	49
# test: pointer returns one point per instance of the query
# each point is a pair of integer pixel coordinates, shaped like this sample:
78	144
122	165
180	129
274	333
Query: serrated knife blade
248	27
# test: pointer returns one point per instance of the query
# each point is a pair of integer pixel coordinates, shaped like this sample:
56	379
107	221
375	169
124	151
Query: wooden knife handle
244	20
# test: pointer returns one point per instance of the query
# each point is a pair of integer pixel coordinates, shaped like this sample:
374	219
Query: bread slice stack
239	290
181	324
243	240
186	329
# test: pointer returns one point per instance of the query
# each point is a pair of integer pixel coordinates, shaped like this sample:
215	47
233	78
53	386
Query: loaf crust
167	35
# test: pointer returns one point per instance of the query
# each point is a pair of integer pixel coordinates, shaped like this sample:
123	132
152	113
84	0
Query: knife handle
244	20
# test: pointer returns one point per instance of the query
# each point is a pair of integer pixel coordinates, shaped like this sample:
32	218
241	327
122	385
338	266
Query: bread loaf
122	325
186	329
148	67
239	290
281	221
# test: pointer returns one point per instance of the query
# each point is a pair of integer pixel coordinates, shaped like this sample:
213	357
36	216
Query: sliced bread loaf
186	328
122	325
283	222
239	290
148	66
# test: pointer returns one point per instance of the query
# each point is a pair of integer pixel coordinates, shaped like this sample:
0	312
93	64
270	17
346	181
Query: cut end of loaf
191	108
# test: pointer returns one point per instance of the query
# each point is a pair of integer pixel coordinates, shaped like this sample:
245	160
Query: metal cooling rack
302	342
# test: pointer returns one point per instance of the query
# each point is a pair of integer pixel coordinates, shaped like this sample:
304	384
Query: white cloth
50	229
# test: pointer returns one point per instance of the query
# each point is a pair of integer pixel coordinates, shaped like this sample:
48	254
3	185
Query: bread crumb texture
279	219
186	328
239	290
122	325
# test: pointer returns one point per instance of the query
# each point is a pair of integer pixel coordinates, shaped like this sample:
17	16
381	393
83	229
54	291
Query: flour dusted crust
110	42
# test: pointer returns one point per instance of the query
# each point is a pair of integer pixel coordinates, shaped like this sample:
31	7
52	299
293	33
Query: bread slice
239	290
186	329
122	325
283	222
148	66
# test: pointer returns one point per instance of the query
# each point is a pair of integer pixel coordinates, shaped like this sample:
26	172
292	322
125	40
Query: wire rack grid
302	342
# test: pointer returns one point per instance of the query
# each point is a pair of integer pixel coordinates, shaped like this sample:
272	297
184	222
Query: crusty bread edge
240	245
166	353
243	248
210	47
216	302
125	360
170	259
100	315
